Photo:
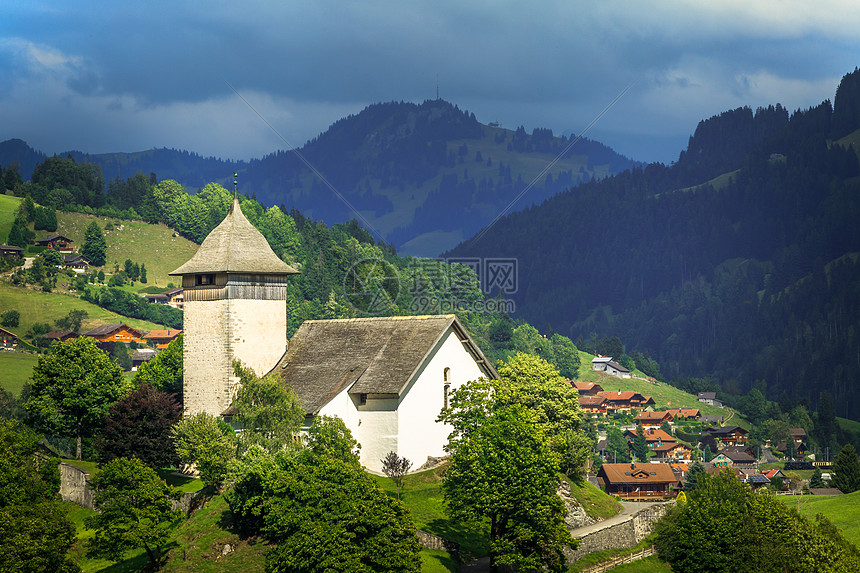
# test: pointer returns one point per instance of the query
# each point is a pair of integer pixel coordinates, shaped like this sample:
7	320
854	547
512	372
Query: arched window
446	385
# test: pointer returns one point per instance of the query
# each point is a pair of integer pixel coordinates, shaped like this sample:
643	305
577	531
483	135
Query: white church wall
420	434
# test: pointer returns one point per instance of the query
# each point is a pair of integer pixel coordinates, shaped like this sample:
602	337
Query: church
387	378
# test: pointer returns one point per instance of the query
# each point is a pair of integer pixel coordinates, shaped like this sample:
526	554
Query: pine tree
816	480
847	469
640	445
95	246
142	273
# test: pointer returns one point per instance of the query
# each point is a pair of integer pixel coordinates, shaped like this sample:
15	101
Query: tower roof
235	246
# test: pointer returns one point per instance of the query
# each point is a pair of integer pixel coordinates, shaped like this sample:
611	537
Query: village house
61	335
11	251
617	370
141	356
639	481
709	398
674	451
711	419
587	388
8	340
59	242
654	437
595	405
116	333
734	459
728	435
626	401
652	418
161	338
386	378
598	363
77	262
685	413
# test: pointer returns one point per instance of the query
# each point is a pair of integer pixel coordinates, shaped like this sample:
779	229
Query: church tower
235	292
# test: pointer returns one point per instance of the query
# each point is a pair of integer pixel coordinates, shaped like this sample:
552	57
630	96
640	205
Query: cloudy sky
127	76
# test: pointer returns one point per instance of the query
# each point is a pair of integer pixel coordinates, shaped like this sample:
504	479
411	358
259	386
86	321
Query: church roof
367	355
235	246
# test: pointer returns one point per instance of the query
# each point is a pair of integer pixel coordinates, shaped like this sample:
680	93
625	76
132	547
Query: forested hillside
739	261
424	176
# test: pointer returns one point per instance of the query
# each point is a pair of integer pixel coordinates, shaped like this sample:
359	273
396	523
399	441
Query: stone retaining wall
620	535
75	487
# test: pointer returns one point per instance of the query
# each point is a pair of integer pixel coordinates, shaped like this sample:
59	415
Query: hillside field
15	370
841	510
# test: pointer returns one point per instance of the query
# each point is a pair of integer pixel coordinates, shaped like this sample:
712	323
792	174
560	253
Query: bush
10	318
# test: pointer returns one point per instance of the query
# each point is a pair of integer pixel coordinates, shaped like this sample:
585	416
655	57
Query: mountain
740	260
424	176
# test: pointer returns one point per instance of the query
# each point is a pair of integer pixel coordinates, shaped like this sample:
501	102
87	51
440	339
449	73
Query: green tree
140	426
266	410
72	321
165	371
537	385
322	514
209	445
725	527
329	436
396	468
503	471
35	533
142	273
640	445
95	246
10	318
566	356
618	449
816	481
846	470
73	387
135	510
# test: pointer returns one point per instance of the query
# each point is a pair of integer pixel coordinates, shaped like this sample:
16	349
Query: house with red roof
639	481
655	419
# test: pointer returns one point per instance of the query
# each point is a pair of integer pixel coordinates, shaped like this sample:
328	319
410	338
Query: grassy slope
153	245
15	369
841	510
8	204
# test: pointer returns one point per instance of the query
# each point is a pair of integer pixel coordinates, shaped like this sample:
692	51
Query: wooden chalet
116	333
587	388
59	242
654	437
655	419
593	405
161	338
598	363
709	398
8	340
173	297
61	335
11	251
76	262
625	401
141	356
674	451
685	413
728	435
639	481
733	459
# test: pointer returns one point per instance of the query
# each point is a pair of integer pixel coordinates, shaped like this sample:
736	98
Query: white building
386	378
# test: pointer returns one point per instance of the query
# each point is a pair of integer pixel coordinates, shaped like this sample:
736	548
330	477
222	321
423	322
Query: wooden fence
616	561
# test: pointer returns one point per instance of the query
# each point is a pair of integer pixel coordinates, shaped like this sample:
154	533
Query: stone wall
619	535
75	487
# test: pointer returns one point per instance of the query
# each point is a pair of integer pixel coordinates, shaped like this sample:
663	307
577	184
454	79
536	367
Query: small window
362	399
205	279
446	386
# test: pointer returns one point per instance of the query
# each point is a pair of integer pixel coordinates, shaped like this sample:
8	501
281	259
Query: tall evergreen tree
95	246
640	445
847	470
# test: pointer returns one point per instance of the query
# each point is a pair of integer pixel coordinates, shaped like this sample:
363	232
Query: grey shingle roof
235	246
366	355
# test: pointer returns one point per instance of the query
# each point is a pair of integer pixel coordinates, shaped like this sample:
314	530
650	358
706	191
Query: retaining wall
620	535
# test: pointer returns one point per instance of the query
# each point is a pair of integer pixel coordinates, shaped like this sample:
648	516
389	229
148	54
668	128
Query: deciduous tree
266	409
139	426
165	371
396	468
208	444
73	387
135	510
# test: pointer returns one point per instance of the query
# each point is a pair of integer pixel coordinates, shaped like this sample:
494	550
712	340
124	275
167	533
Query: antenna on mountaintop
235	185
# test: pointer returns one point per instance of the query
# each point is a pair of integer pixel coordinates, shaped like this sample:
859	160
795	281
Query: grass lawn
648	565
596	503
422	496
46	307
15	370
841	510
8	205
153	245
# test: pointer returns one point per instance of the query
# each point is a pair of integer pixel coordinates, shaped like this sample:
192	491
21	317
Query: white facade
407	424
